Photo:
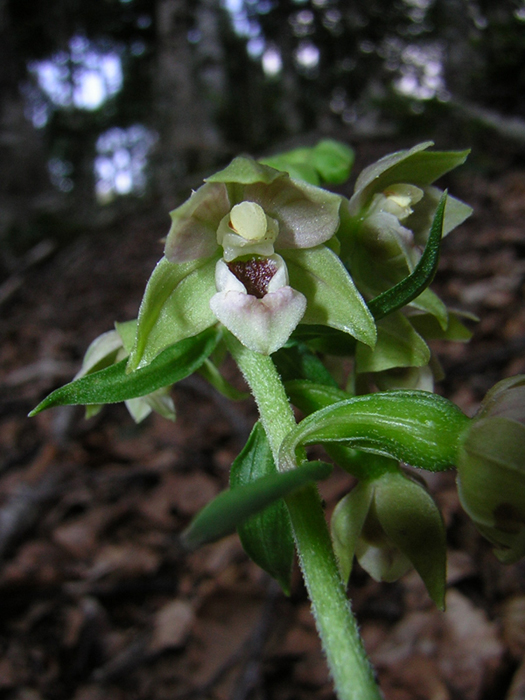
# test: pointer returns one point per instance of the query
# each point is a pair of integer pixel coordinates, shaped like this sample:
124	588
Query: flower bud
392	524
491	469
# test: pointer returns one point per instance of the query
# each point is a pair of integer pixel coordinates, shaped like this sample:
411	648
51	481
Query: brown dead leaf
172	625
124	561
472	650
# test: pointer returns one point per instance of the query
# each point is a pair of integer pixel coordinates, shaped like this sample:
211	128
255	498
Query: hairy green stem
349	665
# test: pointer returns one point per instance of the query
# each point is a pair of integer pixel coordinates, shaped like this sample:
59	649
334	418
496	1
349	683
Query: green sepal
175	306
413	522
416	427
347	524
429	327
232	508
212	375
127	331
115	384
429	302
333	299
420	278
420	220
416	166
329	161
267	537
392	523
398	345
245	171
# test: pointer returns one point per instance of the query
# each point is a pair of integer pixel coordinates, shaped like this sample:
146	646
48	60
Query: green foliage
114	384
416	427
230	509
328	162
267	536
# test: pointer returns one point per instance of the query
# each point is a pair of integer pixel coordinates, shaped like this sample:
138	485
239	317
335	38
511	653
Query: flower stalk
351	671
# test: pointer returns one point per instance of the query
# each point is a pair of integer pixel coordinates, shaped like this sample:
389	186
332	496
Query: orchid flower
385	227
250	249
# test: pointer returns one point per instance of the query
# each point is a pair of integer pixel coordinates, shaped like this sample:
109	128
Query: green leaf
416	427
115	384
414	284
329	161
267	537
398	345
175	306
333	299
333	160
232	508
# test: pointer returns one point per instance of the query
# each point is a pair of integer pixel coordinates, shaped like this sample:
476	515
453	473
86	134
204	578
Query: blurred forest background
108	105
110	112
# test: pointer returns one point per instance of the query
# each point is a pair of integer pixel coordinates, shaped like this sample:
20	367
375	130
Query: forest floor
97	599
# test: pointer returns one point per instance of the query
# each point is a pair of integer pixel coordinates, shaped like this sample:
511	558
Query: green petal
175	306
333	299
398	345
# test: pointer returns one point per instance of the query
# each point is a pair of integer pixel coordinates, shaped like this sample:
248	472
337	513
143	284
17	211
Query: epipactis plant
294	281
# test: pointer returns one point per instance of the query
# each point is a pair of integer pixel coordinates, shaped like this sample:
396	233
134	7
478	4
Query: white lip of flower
247	229
262	321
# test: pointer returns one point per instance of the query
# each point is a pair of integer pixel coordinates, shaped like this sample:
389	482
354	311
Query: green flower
385	227
491	469
248	249
110	348
391	524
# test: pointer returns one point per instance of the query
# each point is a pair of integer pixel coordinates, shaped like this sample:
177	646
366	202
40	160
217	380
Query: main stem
337	627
